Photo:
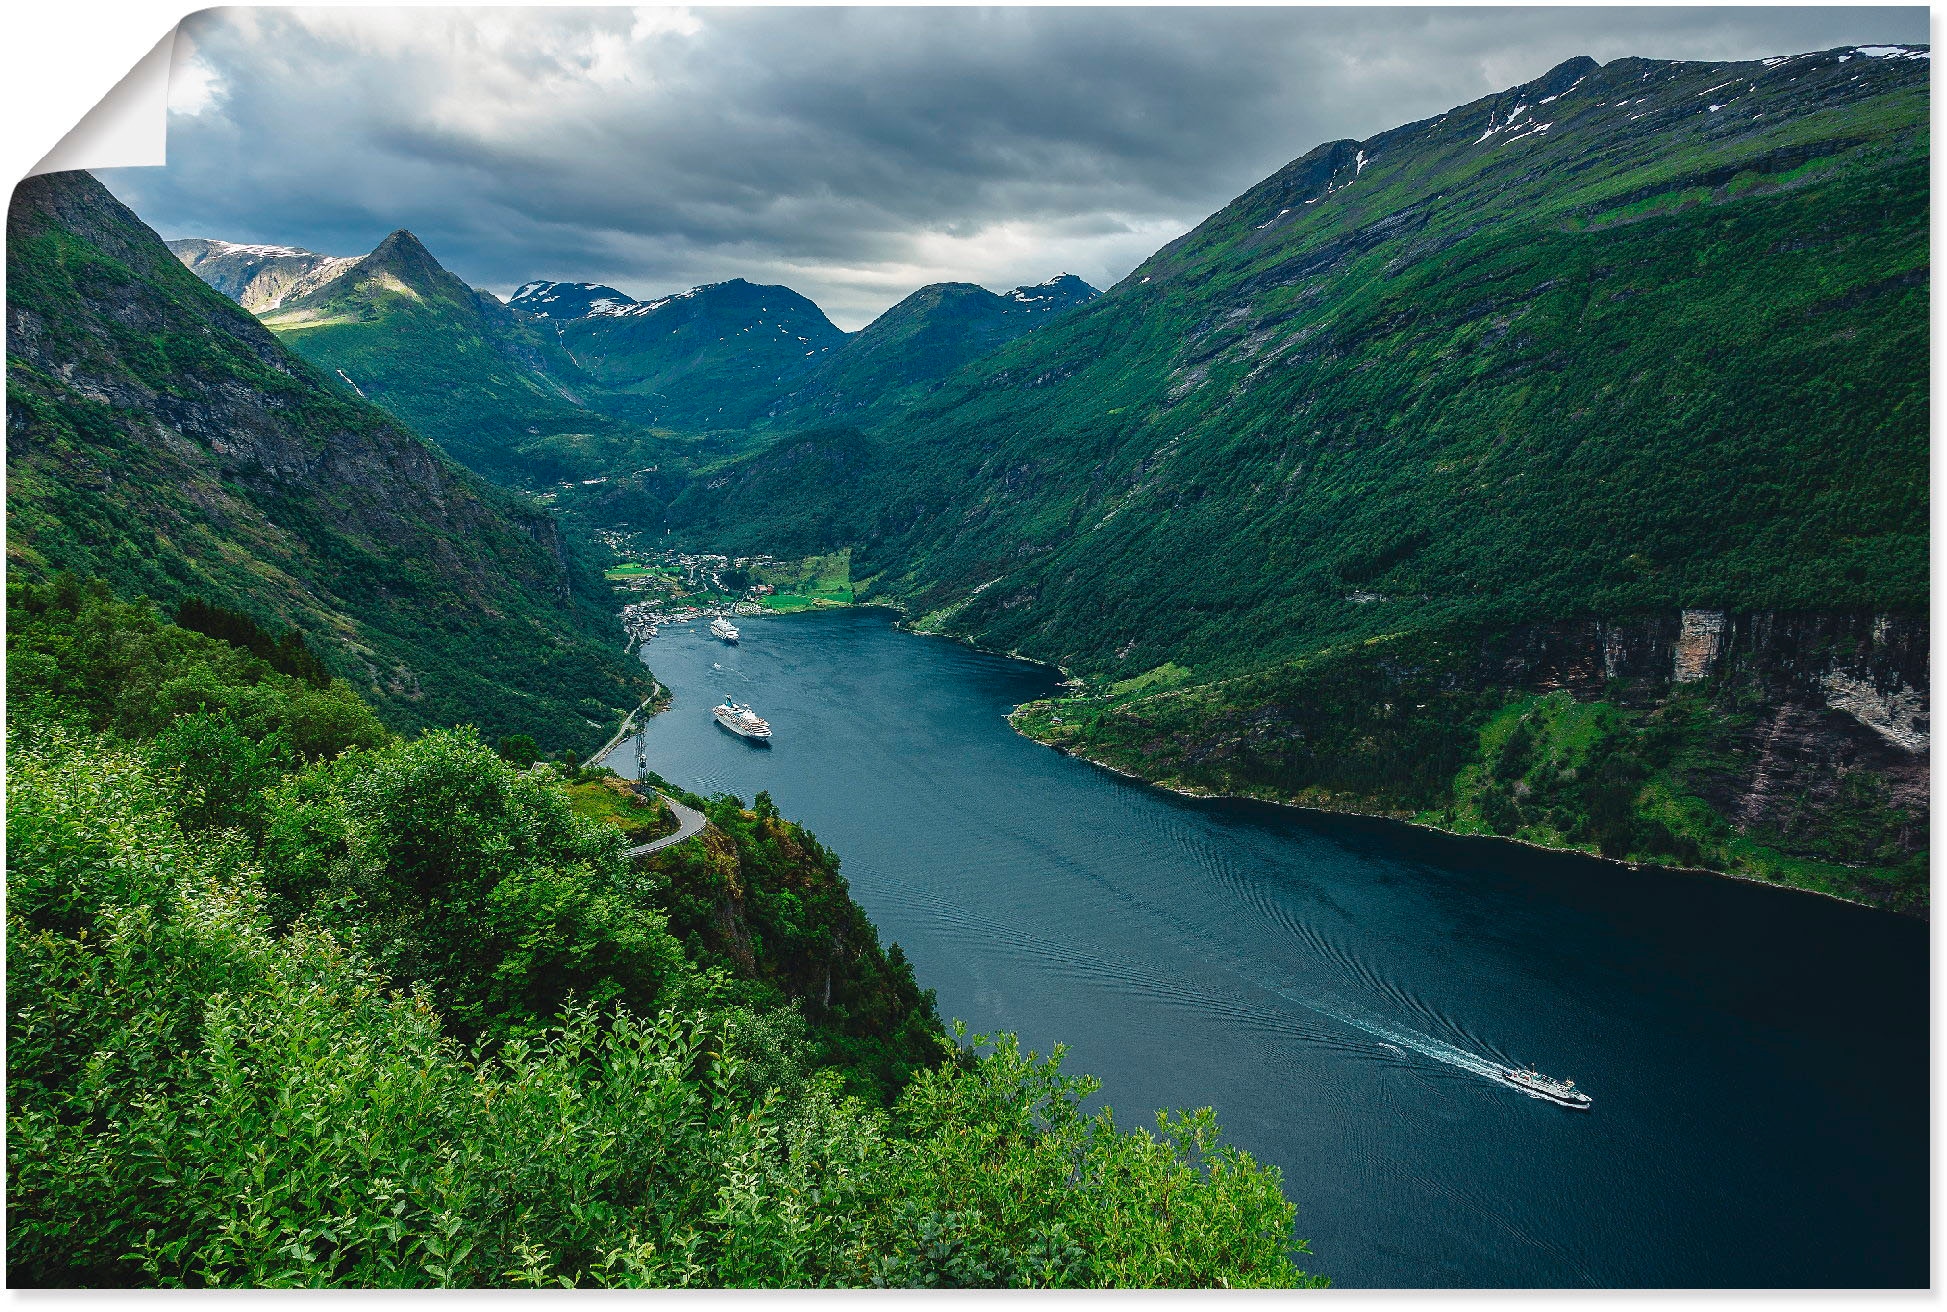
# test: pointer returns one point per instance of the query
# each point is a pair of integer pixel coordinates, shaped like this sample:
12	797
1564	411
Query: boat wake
1400	1036
1392	1035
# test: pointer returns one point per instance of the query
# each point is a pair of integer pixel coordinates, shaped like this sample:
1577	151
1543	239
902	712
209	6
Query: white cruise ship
723	628
742	721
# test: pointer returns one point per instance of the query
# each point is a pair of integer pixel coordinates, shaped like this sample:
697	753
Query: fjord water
1758	1058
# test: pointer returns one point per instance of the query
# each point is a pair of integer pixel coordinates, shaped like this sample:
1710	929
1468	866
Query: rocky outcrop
257	277
1872	666
1825	708
1898	714
1699	640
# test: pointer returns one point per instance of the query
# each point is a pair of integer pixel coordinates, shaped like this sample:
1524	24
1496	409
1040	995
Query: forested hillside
1662	354
919	341
495	392
159	437
1623	342
294	1001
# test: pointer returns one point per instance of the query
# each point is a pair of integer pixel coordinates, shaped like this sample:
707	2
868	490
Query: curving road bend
689	823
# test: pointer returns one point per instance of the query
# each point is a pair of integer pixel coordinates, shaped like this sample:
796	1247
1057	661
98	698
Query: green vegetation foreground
293	1001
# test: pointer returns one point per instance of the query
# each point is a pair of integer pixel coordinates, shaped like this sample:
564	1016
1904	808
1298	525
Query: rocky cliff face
1814	702
1872	665
258	277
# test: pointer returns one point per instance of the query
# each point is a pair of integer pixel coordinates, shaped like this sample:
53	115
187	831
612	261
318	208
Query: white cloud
193	85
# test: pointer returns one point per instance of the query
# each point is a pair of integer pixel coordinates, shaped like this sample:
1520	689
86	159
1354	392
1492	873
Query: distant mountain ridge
707	358
566	300
258	277
1060	292
921	340
564	371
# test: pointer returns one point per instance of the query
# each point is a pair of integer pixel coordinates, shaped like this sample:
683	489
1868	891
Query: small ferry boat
742	721
1562	1093
722	628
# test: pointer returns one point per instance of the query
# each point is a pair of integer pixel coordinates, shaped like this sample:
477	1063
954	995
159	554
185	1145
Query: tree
519	750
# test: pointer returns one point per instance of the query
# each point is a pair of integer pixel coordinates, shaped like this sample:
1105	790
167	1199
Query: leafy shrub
196	1098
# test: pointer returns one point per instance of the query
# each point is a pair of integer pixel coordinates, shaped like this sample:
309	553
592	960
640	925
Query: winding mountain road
689	824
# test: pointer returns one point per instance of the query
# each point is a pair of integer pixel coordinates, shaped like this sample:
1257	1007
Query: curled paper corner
128	127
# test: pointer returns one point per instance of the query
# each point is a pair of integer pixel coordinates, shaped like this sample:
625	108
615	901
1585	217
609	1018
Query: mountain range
571	379
1583	388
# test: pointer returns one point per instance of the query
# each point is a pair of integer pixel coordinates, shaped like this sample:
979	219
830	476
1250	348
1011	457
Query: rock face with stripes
1698	643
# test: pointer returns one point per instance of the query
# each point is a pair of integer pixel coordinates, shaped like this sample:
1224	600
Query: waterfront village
675	587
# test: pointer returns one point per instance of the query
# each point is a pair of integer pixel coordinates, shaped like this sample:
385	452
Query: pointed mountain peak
1563	76
405	255
403	261
1058	293
402	244
399	265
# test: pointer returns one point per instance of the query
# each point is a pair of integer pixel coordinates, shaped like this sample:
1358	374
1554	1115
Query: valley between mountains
1554	468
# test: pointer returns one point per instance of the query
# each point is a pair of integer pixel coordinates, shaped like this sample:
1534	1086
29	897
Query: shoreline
656	690
902	624
1207	795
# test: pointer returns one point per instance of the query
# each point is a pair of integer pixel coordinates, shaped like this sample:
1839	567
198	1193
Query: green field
614	802
808	583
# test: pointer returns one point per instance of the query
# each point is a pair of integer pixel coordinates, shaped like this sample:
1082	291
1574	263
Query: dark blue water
1758	1058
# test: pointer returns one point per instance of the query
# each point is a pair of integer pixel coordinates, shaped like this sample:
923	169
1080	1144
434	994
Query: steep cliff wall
1812	710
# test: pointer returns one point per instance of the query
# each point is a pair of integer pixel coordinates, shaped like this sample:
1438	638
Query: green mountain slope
158	436
711	357
455	364
921	340
1626	339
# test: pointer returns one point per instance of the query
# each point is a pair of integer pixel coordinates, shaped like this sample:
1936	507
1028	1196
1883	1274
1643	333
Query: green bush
198	1098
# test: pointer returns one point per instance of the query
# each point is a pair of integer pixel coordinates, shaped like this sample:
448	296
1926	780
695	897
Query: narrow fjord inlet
1374	731
1343	991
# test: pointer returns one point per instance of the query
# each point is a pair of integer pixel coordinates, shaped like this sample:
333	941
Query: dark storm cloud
852	154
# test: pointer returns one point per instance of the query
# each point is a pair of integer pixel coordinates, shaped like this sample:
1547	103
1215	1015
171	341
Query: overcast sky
852	154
